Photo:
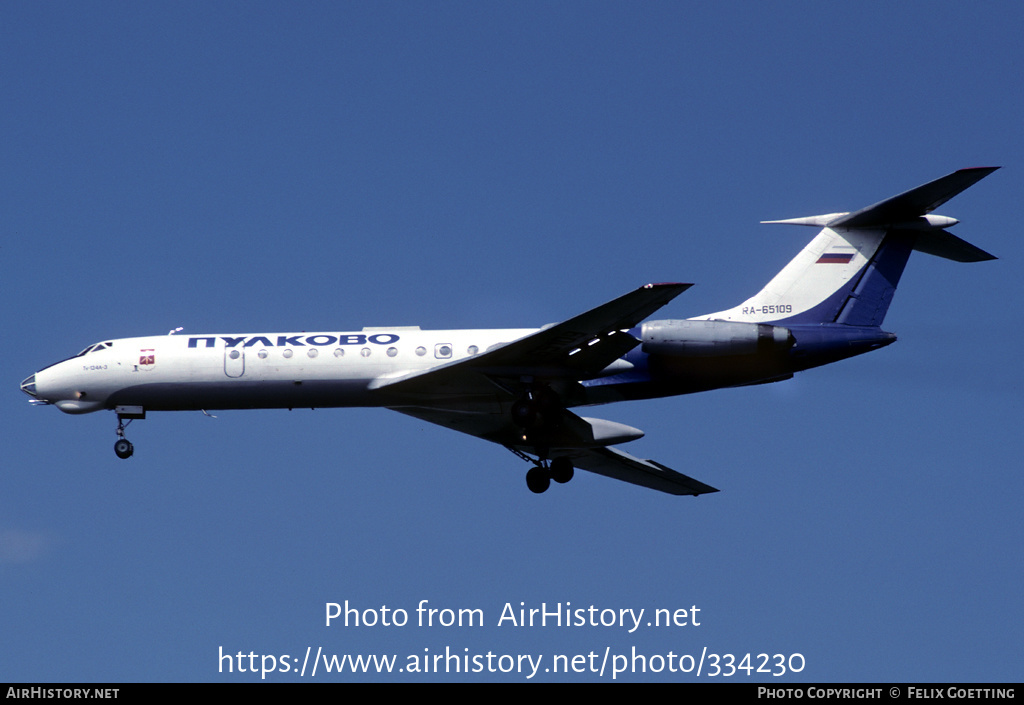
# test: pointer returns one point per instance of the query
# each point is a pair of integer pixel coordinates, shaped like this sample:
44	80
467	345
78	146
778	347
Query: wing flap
483	421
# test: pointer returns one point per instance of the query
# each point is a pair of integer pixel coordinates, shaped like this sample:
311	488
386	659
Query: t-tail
848	273
833	296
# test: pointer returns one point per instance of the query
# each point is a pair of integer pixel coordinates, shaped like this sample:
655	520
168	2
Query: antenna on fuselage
172	332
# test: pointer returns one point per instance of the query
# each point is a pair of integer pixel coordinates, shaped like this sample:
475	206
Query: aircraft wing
620	465
579	348
473	395
491	425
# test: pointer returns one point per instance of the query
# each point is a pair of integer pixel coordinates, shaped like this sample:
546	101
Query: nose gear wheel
123	448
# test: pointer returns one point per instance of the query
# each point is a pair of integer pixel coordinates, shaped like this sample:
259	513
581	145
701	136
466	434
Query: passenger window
442	351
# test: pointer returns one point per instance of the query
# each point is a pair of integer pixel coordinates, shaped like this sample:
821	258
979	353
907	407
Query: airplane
517	387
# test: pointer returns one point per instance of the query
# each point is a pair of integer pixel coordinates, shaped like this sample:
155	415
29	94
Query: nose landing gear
123	448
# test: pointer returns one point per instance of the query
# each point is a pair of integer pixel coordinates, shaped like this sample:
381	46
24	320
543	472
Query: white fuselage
253	370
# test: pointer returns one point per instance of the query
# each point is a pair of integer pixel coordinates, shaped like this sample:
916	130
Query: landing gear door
234	362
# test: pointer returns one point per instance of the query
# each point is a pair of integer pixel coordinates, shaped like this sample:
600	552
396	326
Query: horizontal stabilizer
945	244
818	221
910	205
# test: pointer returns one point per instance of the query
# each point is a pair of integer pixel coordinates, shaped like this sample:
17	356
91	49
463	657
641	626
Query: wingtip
659	285
982	171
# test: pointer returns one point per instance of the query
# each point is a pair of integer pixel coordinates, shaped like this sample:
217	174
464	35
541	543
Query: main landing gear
540	413
539	478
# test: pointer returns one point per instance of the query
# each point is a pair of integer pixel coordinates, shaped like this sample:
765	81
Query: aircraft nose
29	386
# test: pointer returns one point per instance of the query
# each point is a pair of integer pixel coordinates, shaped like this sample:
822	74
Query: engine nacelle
714	338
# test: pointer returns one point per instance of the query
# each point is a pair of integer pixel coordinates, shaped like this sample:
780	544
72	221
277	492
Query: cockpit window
94	348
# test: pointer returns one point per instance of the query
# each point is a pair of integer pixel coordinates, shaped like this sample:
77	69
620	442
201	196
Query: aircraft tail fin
849	271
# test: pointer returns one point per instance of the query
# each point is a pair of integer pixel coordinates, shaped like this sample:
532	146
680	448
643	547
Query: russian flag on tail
835	258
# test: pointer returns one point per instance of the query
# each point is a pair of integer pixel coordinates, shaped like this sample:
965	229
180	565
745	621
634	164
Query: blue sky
324	166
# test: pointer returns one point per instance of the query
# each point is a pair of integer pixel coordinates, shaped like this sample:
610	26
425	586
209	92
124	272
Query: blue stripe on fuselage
816	344
824	343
